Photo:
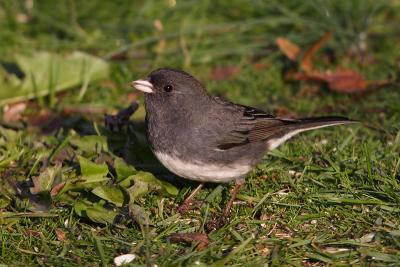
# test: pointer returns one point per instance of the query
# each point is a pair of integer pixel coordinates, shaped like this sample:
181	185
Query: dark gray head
175	103
171	89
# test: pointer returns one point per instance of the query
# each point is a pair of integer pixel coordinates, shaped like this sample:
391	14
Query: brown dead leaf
291	50
263	249
41	118
119	56
306	63
33	233
224	73
60	235
343	81
190	238
12	112
56	189
260	66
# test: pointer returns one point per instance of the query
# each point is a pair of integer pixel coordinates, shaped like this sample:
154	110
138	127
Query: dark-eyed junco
204	138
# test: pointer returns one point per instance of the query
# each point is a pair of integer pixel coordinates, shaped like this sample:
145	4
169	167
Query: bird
205	138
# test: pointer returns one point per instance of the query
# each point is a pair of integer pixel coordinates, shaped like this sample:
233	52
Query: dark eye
168	88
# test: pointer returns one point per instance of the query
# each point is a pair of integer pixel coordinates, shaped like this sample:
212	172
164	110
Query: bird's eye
168	88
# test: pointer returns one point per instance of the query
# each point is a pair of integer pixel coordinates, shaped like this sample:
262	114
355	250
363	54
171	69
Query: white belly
198	171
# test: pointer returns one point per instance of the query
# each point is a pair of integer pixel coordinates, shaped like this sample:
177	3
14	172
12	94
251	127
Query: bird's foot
185	206
217	223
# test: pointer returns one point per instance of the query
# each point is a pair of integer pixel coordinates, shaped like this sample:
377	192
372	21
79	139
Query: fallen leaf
12	112
60	235
90	143
123	169
138	189
96	212
44	182
42	118
124	259
112	194
260	65
190	238
33	233
92	175
56	189
90	170
344	81
306	63
143	182
224	73
65	70
263	249
291	50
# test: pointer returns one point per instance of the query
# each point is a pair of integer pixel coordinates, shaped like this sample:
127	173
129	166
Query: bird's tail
296	126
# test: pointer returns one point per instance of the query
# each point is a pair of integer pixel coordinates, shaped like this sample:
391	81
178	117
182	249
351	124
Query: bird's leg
114	123
185	204
220	221
238	185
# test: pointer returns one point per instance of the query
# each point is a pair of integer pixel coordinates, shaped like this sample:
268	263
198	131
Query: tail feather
294	127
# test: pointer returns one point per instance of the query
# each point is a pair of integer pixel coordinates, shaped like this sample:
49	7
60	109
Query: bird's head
168	82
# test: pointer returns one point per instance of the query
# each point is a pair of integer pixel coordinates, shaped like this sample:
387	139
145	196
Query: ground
327	197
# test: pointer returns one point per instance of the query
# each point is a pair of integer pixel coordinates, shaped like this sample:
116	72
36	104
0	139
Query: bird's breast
201	171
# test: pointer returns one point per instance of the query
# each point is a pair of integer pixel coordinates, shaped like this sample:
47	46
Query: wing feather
255	125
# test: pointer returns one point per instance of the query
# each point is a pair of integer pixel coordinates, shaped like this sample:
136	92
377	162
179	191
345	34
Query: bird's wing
255	125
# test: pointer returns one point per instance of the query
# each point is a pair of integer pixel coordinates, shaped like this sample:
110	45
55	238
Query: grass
327	197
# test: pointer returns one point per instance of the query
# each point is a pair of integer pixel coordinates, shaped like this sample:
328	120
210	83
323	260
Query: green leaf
112	194
123	169
91	170
80	207
48	73
92	175
144	182
90	143
138	189
96	212
44	182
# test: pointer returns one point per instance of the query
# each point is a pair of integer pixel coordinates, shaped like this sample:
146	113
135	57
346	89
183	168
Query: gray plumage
186	123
